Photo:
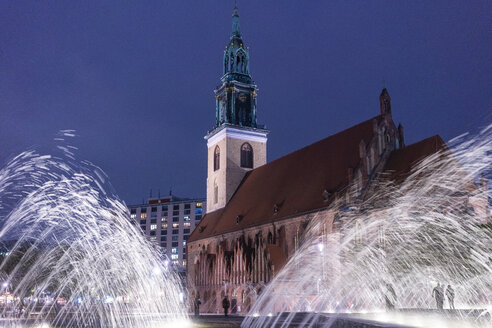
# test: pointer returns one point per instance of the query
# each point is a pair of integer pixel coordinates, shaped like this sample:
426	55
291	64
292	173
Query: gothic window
243	64
216	193
217	158
246	156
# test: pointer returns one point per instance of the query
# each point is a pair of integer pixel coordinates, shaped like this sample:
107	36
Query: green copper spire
236	55
236	95
236	29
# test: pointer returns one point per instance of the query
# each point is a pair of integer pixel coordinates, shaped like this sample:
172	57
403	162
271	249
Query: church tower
237	144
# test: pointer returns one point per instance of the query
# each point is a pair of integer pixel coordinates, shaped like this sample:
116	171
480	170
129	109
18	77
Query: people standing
390	297
438	294
226	304
196	304
450	296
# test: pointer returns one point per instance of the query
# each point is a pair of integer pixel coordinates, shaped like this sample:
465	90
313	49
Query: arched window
246	156
217	158
216	193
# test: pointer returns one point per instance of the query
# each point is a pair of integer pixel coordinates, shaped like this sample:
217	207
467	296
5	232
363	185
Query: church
257	211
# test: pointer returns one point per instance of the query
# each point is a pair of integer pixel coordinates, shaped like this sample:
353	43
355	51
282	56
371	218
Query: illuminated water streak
394	244
71	236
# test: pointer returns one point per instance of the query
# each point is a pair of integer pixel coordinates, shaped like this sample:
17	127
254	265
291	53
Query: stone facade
225	180
240	263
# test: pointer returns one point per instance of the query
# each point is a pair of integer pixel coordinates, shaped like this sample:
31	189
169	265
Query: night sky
135	79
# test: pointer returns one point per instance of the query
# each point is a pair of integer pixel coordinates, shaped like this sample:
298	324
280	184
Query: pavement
218	321
402	319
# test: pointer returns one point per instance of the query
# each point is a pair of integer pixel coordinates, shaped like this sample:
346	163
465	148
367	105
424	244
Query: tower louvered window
247	156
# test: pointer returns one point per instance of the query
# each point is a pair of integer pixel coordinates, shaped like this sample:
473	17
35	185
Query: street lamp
5	286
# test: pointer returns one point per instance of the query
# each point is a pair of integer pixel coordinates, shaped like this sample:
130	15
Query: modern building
257	212
168	223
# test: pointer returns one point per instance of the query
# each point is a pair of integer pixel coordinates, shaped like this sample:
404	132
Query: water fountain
389	249
72	256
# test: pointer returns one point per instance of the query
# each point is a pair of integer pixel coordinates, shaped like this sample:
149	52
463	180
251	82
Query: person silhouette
196	304
450	296
438	294
226	304
390	297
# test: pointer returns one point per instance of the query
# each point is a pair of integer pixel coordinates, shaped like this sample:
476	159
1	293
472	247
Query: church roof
295	183
291	184
401	161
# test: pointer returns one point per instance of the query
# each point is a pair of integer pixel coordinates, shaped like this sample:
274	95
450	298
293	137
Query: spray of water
67	237
393	243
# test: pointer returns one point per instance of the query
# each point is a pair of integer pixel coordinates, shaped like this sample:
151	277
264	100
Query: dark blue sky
136	78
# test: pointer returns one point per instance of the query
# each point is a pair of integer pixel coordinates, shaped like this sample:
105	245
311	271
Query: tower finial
236	31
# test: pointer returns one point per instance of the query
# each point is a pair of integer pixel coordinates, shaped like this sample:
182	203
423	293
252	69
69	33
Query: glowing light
83	238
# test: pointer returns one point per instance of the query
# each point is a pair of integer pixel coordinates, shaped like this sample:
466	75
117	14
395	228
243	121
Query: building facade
257	212
168	222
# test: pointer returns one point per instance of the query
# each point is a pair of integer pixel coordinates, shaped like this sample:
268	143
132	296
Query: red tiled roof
293	183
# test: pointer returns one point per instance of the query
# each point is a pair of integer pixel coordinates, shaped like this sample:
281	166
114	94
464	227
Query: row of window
165	208
175	215
164	232
153	224
164	218
173	244
175	238
175	225
246	156
186	218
